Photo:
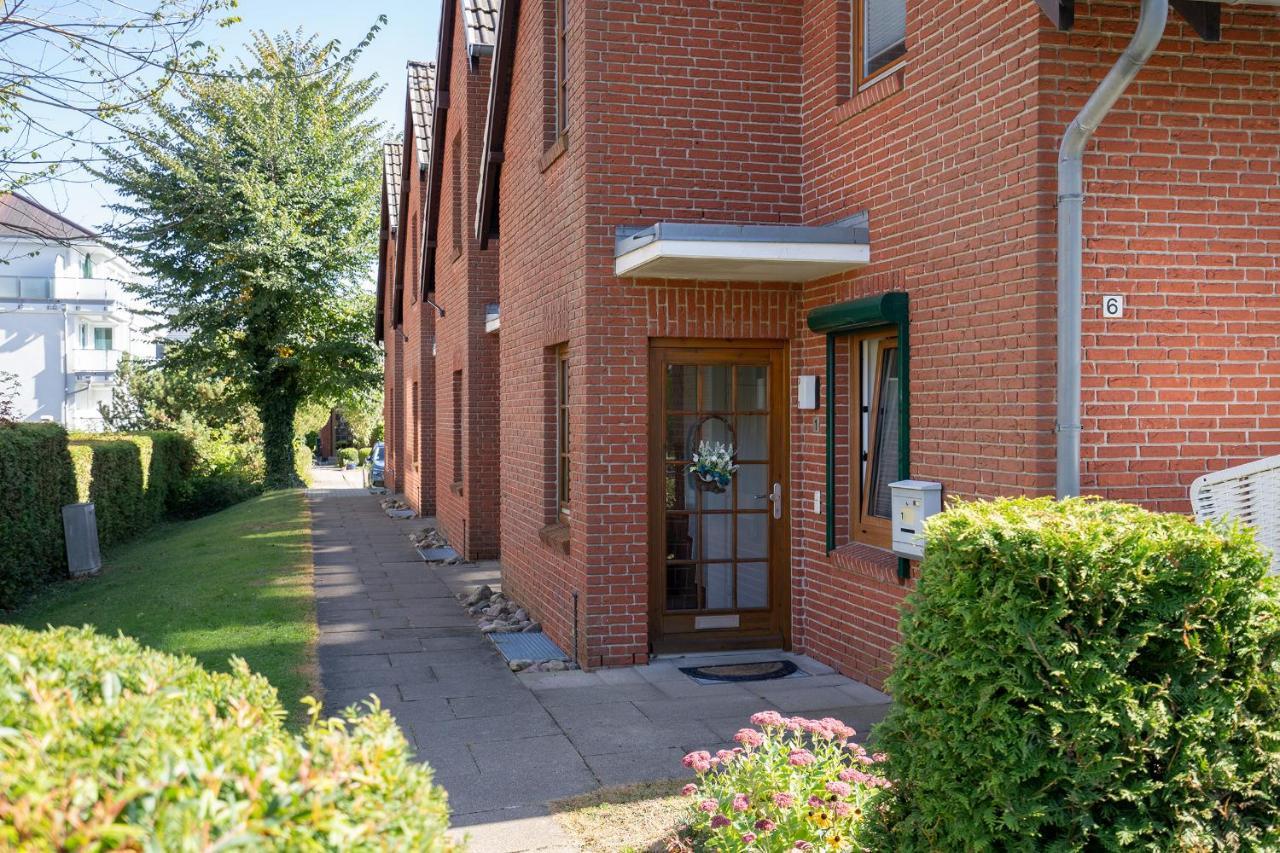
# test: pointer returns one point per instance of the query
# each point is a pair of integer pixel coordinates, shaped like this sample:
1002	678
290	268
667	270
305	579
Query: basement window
879	38
875	443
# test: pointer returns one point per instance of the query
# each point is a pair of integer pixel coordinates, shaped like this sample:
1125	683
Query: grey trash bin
80	524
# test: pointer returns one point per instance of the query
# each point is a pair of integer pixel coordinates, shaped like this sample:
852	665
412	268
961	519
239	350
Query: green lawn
234	583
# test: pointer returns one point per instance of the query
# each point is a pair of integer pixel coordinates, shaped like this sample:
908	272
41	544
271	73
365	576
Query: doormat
532	646
766	670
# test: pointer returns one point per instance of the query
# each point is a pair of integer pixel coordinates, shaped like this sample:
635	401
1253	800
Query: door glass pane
753	585
717	500
884	467
753	437
682	388
752	480
753	536
678	489
717	395
682	587
717	537
678	429
753	388
713	430
719	583
680	541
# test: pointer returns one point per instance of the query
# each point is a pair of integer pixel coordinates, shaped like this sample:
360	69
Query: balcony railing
25	287
95	360
43	287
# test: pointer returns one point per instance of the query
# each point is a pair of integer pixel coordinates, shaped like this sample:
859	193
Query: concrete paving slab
644	765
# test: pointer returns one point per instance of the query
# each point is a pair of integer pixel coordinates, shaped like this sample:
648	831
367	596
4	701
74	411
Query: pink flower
689	790
800	758
765	825
795	724
719	821
838	729
696	757
816	802
783	800
840	789
817	728
740	803
724	756
767	719
748	837
879	758
750	738
842	809
802	845
708	806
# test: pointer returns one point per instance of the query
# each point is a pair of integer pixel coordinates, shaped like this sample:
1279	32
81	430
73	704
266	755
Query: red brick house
824	232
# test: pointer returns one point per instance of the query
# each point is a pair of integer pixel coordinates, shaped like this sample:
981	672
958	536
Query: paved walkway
504	745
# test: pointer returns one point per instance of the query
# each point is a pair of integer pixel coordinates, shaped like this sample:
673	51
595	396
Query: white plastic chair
1247	493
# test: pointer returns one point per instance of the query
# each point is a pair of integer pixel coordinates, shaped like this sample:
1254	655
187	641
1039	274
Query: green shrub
348	454
209	493
365	453
302	459
134	480
36	481
107	745
1085	676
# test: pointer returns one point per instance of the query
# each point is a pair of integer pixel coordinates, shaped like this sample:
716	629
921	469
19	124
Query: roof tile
480	22
391	165
422	85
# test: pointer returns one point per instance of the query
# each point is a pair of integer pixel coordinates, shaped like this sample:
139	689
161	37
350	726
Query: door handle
774	497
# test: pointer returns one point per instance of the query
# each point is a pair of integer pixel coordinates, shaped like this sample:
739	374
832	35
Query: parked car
374	467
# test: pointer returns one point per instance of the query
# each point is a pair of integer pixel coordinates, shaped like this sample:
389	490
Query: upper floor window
880	36
562	65
102	338
87	266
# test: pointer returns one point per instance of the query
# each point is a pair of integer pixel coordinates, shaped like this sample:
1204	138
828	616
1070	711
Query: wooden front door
719	568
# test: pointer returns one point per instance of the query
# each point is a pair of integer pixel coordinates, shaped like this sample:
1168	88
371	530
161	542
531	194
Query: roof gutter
1152	20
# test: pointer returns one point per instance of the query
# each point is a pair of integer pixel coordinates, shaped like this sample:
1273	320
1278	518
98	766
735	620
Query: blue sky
410	33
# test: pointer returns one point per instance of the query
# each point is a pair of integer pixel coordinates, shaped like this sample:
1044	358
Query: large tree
251	202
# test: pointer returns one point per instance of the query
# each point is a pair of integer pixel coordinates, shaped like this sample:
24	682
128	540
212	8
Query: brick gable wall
466	281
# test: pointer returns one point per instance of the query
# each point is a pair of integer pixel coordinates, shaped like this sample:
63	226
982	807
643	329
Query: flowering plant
713	464
793	784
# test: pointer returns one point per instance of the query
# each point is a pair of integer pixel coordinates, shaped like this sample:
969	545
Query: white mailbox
913	502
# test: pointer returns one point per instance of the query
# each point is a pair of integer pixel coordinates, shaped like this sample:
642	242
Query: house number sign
1113	307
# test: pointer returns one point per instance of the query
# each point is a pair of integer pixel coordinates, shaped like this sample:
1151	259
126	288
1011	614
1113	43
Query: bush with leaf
348	456
365	453
1083	675
134	480
107	745
791	784
37	479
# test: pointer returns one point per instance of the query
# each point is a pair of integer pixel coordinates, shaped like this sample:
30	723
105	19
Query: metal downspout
1151	25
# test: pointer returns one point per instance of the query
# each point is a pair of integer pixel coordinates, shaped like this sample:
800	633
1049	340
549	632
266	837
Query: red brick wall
944	159
543	223
1182	217
418	456
466	281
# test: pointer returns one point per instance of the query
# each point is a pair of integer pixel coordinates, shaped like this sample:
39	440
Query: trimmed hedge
134	480
1083	675
348	455
114	746
36	481
365	453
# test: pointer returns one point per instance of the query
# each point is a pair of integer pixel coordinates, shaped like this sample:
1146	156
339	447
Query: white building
65	316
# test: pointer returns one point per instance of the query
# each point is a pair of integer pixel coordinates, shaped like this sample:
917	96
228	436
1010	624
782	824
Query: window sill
867	560
554	152
456	488
881	90
556	535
